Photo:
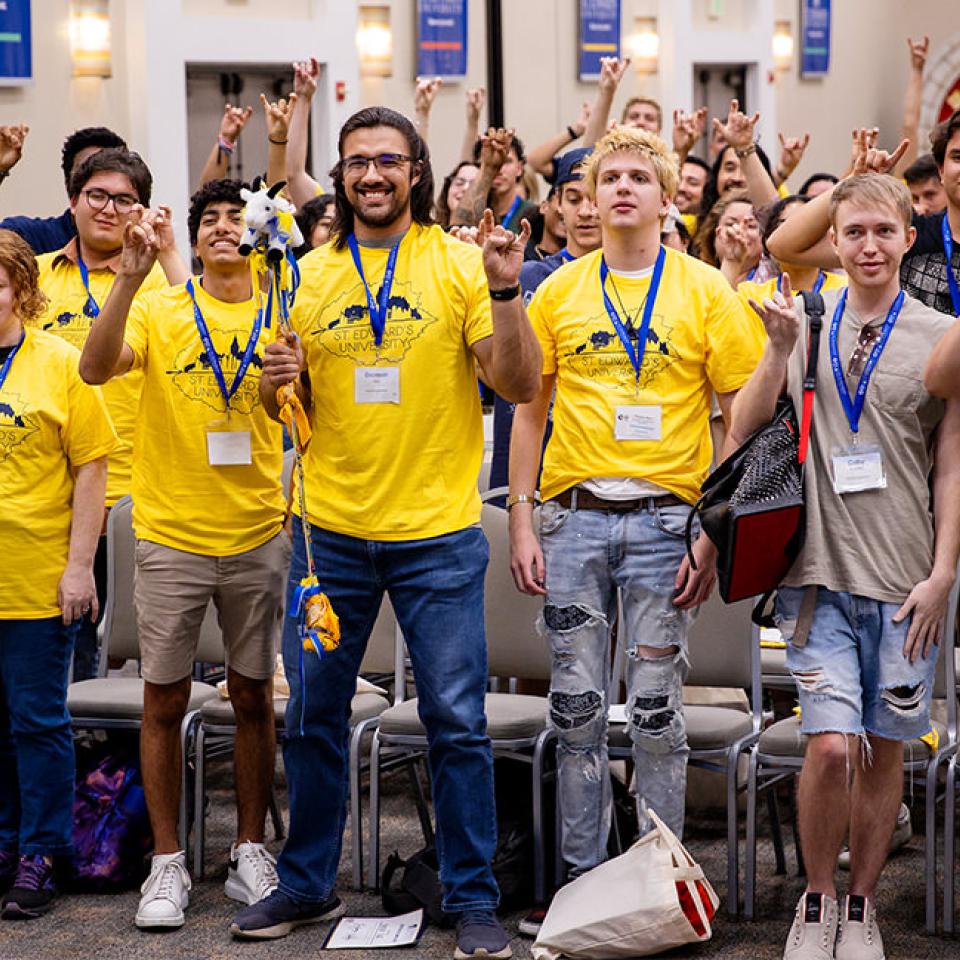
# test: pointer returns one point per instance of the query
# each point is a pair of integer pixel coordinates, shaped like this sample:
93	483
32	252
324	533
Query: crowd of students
642	317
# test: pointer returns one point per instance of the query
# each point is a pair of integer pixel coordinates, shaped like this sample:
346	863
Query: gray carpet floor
101	927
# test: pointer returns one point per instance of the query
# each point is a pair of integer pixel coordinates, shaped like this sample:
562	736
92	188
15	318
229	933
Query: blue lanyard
853	408
948	253
817	286
8	363
565	254
635	355
94	307
752	274
379	308
513	209
212	357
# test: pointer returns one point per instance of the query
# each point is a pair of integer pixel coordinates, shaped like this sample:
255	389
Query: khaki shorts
171	592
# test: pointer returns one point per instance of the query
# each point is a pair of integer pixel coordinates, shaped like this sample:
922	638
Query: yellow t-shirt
51	422
407	470
699	342
179	499
748	289
68	316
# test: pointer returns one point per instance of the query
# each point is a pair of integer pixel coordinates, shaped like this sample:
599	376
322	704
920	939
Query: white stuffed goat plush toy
270	216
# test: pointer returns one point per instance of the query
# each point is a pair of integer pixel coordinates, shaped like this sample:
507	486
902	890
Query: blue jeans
589	554
436	588
36	744
851	674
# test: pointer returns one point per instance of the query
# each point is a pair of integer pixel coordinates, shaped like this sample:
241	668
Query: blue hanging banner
16	66
814	38
599	35
442	38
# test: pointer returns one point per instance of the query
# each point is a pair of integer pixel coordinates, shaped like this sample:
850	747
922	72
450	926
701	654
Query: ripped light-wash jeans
588	555
851	674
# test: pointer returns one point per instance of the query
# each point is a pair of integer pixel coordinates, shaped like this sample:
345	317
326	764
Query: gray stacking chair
724	651
516	723
216	729
950	802
116	703
778	756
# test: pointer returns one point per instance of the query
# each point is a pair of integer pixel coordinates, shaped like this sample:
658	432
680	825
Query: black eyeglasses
384	162
98	200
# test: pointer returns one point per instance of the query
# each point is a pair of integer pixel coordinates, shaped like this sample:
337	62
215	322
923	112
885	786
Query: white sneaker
252	874
859	933
164	892
814	930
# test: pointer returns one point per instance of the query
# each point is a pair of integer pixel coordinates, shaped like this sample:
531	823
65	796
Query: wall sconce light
375	41
782	45
643	45
89	27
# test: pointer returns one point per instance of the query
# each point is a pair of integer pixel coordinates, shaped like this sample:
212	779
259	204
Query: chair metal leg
776	831
559	867
750	846
949	844
795	822
275	816
733	840
199	802
374	829
420	798
356	823
187	736
539	840
930	844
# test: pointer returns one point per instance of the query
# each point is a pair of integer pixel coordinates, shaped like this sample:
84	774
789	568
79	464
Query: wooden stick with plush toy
269	237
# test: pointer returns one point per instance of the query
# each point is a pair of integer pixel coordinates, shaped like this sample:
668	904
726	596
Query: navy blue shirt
44	234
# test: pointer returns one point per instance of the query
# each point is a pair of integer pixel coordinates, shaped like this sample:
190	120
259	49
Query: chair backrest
118	629
720	643
381	653
514	648
483	481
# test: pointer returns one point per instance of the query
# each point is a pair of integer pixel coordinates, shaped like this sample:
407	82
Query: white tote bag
630	906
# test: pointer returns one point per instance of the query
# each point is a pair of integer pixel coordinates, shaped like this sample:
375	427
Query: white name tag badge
226	447
857	468
377	385
638	423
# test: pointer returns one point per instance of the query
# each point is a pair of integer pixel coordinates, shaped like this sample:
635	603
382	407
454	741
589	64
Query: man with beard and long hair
393	318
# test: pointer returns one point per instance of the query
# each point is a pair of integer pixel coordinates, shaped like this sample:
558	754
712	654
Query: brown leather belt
590	501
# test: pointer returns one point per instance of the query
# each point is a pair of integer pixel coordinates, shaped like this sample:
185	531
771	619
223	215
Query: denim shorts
851	674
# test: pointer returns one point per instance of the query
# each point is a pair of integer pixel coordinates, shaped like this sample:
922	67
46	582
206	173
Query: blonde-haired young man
861	615
636	338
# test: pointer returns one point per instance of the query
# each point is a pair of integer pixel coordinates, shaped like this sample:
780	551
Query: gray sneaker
859	934
814	930
479	934
902	833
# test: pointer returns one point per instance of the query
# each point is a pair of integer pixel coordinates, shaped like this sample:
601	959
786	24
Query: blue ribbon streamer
8	363
948	253
92	308
212	357
634	354
853	408
379	307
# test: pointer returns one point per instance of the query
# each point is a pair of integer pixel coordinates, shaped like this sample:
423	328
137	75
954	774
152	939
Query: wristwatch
514	498
508	293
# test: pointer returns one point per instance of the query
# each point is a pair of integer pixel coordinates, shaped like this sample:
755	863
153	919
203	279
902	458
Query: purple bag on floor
111	828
